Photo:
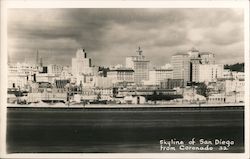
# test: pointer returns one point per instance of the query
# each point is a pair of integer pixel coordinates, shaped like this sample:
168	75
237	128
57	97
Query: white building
121	74
103	82
217	98
45	77
227	74
22	69
140	66
193	53
17	80
134	100
104	91
158	75
87	81
55	69
81	64
181	66
238	75
210	72
66	73
207	58
235	91
20	73
234	86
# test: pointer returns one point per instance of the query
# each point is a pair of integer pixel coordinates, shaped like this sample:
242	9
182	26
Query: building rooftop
162	69
193	49
121	69
180	53
205	53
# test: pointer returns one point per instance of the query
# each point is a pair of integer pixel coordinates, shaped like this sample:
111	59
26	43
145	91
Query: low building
17	81
103	91
85	80
210	72
37	97
134	100
54	69
190	95
230	75
121	74
234	86
158	75
60	86
22	68
218	98
45	77
172	83
103	82
144	92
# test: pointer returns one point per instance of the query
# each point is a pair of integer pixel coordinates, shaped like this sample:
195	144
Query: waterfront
119	130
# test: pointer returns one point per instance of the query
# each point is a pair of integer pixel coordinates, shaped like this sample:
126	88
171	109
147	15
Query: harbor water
48	130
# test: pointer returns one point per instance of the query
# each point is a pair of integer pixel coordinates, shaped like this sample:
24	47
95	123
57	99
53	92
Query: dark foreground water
123	130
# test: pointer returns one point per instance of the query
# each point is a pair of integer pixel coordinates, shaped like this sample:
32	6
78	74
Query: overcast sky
109	35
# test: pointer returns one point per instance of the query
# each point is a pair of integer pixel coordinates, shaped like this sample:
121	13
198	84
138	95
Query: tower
181	67
140	66
81	64
139	51
37	58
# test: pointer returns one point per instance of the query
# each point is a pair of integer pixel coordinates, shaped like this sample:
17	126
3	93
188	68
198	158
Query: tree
239	67
99	97
202	89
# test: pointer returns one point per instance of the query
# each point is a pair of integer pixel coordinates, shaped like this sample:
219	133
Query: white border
119	4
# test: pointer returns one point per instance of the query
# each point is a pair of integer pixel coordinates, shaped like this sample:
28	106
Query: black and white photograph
126	80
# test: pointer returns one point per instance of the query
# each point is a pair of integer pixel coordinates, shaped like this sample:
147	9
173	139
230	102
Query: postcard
124	79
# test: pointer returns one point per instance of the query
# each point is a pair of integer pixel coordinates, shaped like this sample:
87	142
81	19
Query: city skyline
117	33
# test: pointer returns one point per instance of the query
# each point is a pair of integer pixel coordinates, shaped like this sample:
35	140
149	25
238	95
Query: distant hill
239	67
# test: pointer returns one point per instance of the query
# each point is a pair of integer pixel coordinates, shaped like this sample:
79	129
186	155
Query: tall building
210	72
181	67
207	58
193	53
140	65
195	61
194	70
81	64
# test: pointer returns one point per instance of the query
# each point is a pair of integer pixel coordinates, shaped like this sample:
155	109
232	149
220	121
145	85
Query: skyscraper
181	66
195	62
140	65
207	58
81	65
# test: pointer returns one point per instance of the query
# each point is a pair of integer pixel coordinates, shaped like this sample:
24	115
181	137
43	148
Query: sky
109	35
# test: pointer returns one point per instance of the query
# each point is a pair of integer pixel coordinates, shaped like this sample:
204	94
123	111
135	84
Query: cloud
226	34
109	35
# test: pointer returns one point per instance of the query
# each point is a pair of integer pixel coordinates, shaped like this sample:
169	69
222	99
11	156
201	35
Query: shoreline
101	106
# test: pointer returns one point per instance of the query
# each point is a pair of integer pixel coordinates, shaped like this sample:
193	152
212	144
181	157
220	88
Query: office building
140	65
181	66
207	58
210	72
121	74
81	64
54	69
160	74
